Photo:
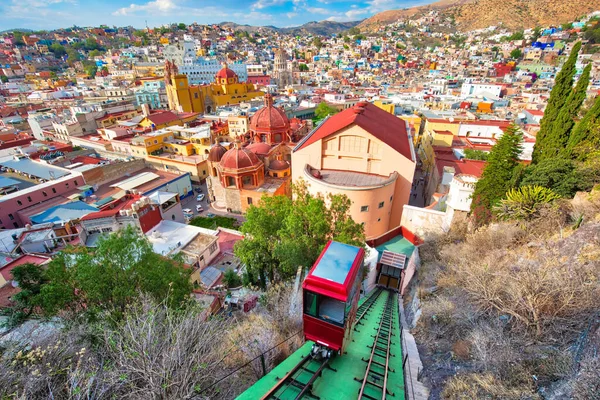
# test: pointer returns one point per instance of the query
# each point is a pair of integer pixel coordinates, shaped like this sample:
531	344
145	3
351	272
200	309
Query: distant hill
475	14
16	30
324	28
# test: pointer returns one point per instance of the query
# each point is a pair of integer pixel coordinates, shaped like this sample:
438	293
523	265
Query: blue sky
50	14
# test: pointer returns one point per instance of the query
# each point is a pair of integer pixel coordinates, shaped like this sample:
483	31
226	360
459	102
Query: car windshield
324	308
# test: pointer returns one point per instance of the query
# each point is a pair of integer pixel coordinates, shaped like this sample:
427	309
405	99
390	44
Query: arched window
247	181
278	138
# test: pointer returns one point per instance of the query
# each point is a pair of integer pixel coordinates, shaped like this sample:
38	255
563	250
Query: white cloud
260	4
291	15
318	10
156	6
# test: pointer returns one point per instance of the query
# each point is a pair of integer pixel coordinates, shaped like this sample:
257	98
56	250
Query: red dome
225	73
279	165
259	148
238	159
269	119
216	153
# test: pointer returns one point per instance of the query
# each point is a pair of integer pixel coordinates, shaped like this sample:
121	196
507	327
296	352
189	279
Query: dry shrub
482	386
462	349
161	353
255	335
586	205
540	288
587	382
62	366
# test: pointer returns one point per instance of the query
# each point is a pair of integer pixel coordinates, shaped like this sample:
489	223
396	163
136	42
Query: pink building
365	153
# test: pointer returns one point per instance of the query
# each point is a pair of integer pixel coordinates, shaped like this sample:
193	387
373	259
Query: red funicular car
331	291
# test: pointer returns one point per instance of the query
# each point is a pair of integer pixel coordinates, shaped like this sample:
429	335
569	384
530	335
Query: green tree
91	44
559	174
497	175
586	133
3	78
516	54
94	53
346	39
181	26
30	278
72	56
317	42
57	49
231	279
91	70
303	67
563	86
282	234
112	276
324	109
476	154
354	31
557	139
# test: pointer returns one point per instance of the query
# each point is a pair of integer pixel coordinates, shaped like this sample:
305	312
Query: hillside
324	28
475	14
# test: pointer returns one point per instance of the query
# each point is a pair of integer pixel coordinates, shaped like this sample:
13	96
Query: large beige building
365	153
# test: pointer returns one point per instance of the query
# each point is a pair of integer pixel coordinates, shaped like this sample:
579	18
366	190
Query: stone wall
110	172
423	221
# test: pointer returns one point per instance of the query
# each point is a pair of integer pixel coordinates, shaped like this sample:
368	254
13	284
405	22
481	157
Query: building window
213	247
250	200
381	204
15	225
19	202
53	190
67	184
29	199
391	197
45	194
11	217
76	184
364	208
378	219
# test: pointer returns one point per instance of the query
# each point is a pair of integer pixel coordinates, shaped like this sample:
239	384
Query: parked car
200	197
198	190
187	211
210	215
199	208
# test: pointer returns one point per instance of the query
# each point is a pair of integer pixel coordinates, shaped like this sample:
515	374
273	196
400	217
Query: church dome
279	165
259	148
237	158
225	73
216	153
269	119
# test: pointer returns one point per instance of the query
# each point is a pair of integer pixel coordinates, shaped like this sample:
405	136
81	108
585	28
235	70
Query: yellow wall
181	149
442	140
389	107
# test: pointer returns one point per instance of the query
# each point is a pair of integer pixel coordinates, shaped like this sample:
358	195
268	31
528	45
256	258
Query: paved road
190	202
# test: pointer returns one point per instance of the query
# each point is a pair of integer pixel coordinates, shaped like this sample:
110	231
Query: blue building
152	93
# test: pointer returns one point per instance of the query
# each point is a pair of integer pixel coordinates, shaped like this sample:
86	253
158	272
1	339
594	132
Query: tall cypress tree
563	85
557	139
585	134
497	175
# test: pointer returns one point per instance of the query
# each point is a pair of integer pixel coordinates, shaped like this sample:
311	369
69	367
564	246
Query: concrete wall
110	172
423	221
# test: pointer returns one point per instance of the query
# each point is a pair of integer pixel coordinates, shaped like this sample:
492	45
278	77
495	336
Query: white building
201	70
480	89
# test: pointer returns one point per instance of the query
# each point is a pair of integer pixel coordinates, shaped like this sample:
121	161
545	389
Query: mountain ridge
476	14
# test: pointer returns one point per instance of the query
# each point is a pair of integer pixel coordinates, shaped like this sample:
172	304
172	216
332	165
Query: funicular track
374	382
365	307
298	382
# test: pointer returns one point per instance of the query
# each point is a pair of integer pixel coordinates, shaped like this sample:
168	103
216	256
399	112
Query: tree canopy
282	234
497	175
563	86
113	275
324	109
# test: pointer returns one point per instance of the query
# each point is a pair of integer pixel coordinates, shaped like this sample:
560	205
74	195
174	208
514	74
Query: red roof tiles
379	123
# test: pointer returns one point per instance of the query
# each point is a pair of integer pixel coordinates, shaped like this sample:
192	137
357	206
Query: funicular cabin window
324	308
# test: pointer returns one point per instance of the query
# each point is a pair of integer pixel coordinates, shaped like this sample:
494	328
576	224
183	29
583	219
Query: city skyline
53	14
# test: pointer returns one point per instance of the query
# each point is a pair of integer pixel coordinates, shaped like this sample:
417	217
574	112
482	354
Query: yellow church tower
182	97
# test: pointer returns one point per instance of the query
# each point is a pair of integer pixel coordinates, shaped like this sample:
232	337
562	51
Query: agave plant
525	202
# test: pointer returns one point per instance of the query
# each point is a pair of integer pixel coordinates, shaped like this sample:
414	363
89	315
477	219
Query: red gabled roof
379	123
26	259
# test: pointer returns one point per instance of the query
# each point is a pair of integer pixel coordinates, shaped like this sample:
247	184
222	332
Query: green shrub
525	202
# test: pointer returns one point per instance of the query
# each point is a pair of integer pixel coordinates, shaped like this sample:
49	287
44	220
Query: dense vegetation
565	156
282	234
214	222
